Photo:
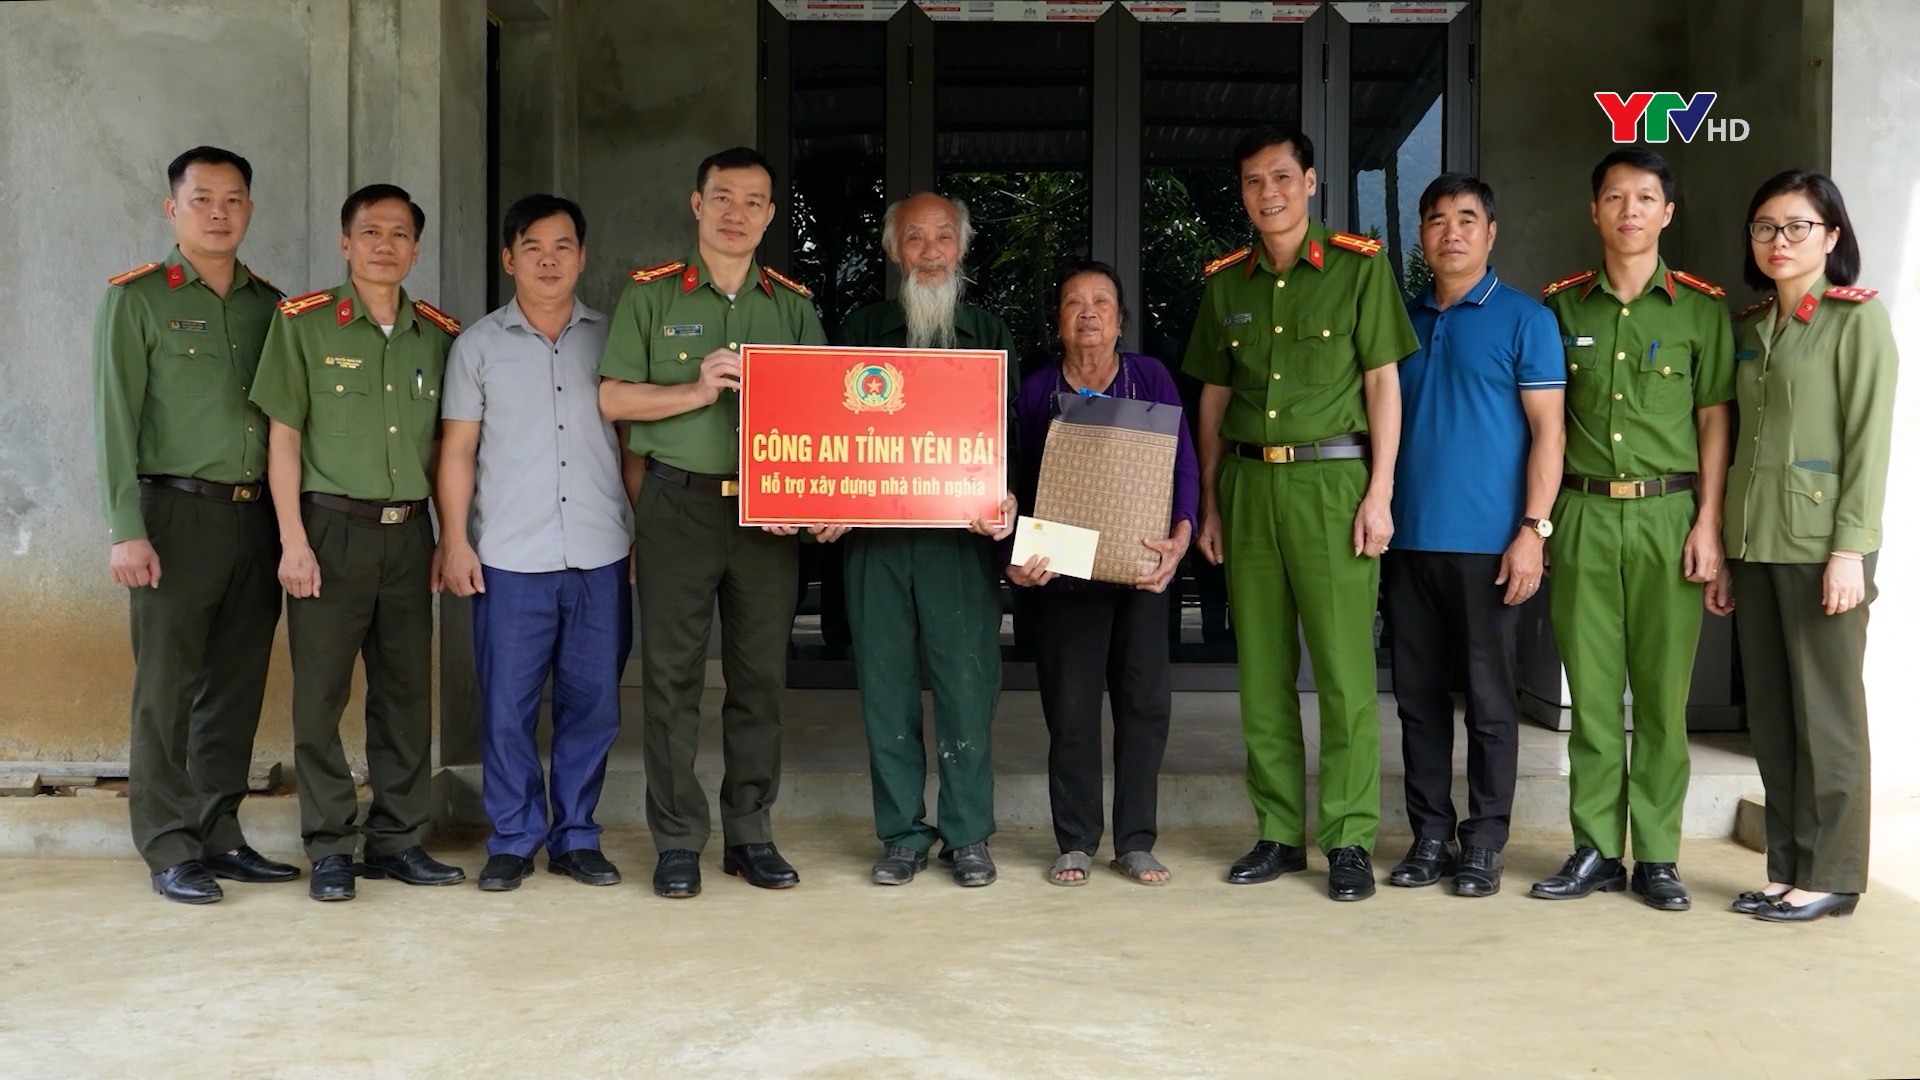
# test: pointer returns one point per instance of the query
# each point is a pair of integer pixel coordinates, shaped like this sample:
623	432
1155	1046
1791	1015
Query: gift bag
1108	466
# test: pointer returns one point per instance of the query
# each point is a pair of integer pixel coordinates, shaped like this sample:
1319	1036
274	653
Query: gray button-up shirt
547	490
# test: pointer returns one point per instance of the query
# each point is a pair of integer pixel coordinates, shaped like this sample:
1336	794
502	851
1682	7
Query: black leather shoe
677	876
586	866
897	865
761	865
1751	902
1427	861
504	873
1834	904
1584	872
1658	883
245	864
1268	860
1349	874
413	866
332	878
187	883
972	865
1477	873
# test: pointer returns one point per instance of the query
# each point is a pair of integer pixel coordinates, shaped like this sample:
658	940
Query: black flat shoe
1349	874
761	865
677	875
1427	861
1478	872
245	864
412	866
1268	860
1753	901
1584	872
187	883
332	879
897	865
504	873
586	866
1659	885
1834	904
972	865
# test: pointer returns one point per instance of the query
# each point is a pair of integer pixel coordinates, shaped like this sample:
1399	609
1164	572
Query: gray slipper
1072	860
1136	864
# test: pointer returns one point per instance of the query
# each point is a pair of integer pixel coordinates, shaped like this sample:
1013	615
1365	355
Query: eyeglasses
1763	231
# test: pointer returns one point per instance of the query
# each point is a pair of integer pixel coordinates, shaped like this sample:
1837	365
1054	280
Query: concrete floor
842	979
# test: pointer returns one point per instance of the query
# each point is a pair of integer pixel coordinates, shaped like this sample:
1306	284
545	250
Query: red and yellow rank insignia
437	317
783	279
1365	245
1808	305
655	273
1853	293
1699	283
343	313
134	274
875	388
1753	308
300	305
1231	258
176	276
1580	278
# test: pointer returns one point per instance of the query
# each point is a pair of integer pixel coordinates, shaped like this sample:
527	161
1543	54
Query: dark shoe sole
1240	879
874	875
194	900
253	879
1618	884
1683	903
507	884
584	879
331	898
374	873
1404	883
976	881
1474	891
677	894
1349	897
736	870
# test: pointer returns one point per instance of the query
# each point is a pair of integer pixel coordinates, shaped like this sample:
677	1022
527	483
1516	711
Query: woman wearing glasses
1815	367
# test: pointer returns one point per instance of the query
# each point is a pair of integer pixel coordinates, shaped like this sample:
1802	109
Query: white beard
929	307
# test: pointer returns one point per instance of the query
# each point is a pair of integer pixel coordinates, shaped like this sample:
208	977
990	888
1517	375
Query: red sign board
871	437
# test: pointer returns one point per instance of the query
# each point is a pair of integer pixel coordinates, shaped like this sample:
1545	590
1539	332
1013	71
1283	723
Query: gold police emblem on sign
875	388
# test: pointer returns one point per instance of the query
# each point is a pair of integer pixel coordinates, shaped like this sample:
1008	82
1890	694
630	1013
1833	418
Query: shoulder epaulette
1580	278
275	289
1365	245
1231	258
300	305
655	273
789	282
1753	308
1700	283
134	274
437	317
1851	292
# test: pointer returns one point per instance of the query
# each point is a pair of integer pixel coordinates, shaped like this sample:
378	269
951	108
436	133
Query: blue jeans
576	625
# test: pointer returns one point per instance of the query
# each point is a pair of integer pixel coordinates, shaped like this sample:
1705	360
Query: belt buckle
729	487
1276	455
245	493
1623	489
392	515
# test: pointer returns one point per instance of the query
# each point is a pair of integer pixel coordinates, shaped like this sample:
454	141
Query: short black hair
1449	185
1274	135
538	207
374	193
1078	267
207	155
1843	262
1638	157
739	157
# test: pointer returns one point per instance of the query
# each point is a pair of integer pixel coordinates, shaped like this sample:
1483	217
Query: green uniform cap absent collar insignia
350	363
192	326
1239	317
686	330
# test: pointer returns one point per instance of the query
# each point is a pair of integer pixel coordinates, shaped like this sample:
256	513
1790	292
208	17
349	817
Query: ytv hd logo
1666	111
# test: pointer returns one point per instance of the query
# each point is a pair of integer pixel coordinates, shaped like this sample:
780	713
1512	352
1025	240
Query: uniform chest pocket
188	369
1810	496
338	398
423	407
1666	379
676	358
1586	375
1323	348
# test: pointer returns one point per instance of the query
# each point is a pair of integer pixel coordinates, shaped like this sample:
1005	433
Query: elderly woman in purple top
1093	634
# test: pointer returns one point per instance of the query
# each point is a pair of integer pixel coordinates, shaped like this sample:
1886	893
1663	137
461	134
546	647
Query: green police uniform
1623	611
937	590
172	363
1809	478
367	406
1293	346
691	548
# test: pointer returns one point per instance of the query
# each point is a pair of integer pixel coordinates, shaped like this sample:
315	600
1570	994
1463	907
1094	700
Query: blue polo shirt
1461	481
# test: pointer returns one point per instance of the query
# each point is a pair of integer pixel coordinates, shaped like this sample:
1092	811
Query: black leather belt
384	513
715	485
223	492
1340	446
1631	489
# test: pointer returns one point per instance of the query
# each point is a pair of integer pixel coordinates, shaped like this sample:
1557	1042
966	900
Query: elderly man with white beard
928	591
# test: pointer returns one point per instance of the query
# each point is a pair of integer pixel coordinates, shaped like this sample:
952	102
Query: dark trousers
1807	716
201	642
692	550
375	605
1450	622
575	625
1115	639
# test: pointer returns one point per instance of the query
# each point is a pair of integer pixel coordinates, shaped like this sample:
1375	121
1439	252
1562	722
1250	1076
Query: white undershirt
386	329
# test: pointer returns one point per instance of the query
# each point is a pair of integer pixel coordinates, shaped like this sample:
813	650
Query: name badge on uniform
1747	354
350	363
1239	318
686	330
191	326
1577	341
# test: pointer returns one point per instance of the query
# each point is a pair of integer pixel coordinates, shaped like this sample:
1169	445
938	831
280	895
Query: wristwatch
1541	526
